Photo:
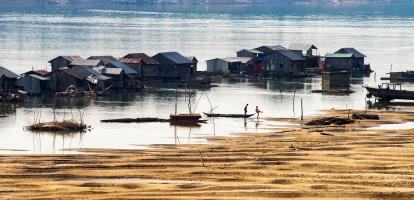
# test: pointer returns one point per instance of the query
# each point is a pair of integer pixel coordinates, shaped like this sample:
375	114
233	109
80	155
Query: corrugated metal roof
177	58
192	58
356	53
38	77
237	59
128	70
105	59
73	73
7	73
69	58
111	58
130	60
91	73
41	72
339	55
144	58
276	47
83	62
112	71
302	47
292	55
269	49
251	51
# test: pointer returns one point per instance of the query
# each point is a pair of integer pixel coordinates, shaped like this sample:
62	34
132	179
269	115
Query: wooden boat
135	120
228	115
185	117
388	92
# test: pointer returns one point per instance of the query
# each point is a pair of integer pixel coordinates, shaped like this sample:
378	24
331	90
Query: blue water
33	33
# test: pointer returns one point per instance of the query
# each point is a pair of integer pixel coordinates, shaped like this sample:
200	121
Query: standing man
258	111
245	109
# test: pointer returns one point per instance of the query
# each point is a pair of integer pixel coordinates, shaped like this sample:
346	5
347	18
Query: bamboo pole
301	109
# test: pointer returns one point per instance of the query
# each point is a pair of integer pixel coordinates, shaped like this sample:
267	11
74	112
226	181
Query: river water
33	33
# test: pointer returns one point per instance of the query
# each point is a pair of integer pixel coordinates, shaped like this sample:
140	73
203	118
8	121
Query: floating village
73	76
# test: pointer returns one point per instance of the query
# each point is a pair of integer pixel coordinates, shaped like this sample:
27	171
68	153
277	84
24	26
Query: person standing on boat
245	109
258	111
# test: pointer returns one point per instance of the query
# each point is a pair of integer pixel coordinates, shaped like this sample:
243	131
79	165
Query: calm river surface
33	33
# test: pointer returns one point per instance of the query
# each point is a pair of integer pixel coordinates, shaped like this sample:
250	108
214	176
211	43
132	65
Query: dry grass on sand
64	126
346	162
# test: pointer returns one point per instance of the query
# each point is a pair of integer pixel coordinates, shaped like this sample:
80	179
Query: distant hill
314	2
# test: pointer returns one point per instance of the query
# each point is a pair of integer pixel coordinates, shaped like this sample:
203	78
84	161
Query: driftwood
330	121
362	116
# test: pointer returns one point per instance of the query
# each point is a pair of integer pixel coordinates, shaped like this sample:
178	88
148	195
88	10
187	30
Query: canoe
134	120
228	115
175	120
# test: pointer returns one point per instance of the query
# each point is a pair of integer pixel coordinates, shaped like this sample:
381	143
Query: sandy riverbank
302	163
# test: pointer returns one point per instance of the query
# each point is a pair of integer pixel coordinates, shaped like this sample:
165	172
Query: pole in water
293	103
301	109
176	100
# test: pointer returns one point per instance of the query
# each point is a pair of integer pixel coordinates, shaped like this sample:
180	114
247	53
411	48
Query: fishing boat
185	118
389	91
228	115
193	118
407	76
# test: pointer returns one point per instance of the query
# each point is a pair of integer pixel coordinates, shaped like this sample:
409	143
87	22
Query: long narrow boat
388	92
228	115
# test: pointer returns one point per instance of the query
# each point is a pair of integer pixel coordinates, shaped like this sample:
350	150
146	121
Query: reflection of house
173	65
357	58
8	79
333	80
233	65
146	66
287	62
62	78
63	61
309	51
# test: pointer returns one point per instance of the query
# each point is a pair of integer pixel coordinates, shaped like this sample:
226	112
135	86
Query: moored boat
388	92
185	117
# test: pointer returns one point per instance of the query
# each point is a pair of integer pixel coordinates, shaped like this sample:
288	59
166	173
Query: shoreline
295	162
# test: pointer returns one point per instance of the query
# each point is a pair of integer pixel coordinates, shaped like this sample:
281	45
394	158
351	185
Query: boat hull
390	94
228	115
